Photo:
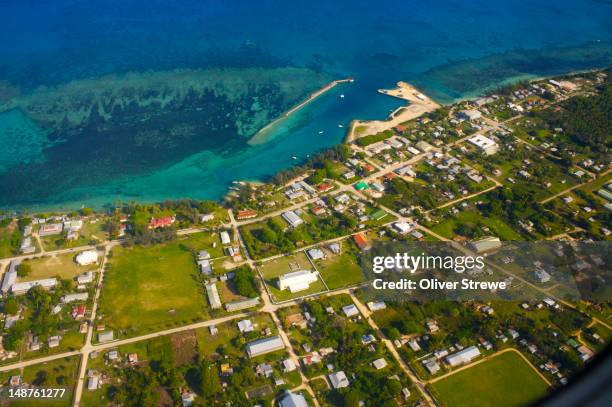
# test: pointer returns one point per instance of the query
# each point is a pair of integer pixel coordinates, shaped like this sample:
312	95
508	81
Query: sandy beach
418	104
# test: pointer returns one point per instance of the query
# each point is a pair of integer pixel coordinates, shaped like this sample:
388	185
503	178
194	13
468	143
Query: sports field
503	381
151	288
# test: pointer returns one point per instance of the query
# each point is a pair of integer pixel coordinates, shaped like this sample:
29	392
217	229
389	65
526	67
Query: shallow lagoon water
450	49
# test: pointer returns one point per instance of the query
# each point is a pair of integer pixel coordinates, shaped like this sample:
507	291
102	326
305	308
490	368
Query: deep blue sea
71	136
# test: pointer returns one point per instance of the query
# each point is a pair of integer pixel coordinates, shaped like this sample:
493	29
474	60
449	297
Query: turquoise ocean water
55	53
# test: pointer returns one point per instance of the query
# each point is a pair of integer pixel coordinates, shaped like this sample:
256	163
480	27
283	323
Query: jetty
260	136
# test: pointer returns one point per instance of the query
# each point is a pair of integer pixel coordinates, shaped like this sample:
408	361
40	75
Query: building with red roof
156	223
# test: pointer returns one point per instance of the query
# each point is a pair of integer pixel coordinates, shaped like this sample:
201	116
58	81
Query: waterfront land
178	291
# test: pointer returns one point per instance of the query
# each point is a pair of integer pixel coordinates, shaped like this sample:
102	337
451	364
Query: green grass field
497	226
152	288
504	381
61	373
341	270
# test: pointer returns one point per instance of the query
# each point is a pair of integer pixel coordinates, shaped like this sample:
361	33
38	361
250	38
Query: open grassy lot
504	381
10	239
61	373
62	265
497	226
151	288
270	270
341	270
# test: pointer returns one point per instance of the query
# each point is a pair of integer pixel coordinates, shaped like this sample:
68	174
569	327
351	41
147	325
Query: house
264	345
10	277
335	248
488	146
362	242
297	280
541	275
26	246
206	217
311	358
105	336
289	365
485	244
379	364
350	310
432	366
85	278
414	345
376	305
292	218
205	267
424	146
22	288
246	214
15	381
133	358
290	399
463	356
93	383
213	330
112	355
402	227
264	369
470	115
367	339
338	380
316	254
187	399
50	229
324	188
68	298
213	296
245	326
241	304
225	238
87	257
156	223
432	327
78	312
53	341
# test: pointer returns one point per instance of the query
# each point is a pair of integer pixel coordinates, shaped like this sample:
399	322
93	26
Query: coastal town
263	299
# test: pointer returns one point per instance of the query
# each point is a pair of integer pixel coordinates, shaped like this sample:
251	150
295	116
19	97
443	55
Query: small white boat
293	157
342	95
321	132
340	125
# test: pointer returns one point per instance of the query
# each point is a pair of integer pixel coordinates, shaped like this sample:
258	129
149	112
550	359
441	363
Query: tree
24	269
244	282
211	385
10	306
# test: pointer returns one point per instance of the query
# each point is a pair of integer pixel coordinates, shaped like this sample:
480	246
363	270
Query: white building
376	305
402	227
225	238
484	143
463	356
350	310
264	345
292	218
486	244
213	296
85	278
87	257
68	298
470	114
338	380
297	280
290	399
542	275
379	364
22	288
245	326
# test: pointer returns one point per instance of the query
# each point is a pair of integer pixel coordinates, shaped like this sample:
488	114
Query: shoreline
261	136
417	105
